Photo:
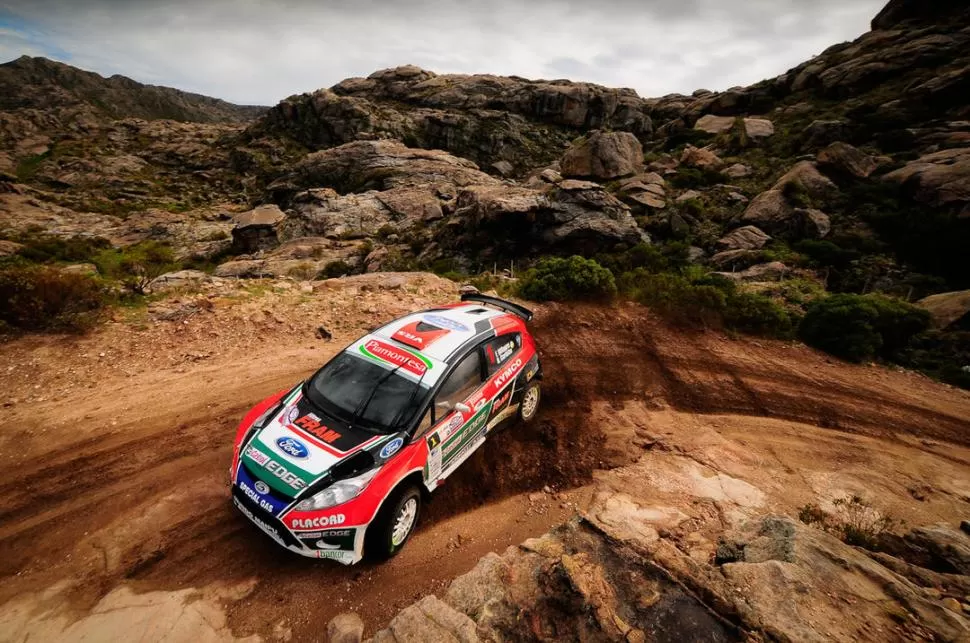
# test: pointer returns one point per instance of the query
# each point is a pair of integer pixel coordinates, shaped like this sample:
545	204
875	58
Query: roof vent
477	311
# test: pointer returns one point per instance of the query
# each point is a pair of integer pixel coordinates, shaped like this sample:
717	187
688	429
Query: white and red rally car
339	466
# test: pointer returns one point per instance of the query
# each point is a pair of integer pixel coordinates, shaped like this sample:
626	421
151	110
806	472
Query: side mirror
461	407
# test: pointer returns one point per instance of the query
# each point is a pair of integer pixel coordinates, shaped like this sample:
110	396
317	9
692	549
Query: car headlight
337	493
266	415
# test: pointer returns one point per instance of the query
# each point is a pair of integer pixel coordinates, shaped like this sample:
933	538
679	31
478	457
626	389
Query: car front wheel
394	524
529	406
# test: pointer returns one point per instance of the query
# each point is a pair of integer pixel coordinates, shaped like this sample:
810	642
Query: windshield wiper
362	407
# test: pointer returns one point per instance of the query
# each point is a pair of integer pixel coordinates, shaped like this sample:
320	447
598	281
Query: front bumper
344	544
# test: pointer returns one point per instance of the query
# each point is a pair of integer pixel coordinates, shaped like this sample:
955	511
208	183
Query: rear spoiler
501	304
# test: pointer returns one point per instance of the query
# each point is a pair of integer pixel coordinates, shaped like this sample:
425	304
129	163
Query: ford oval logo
292	447
261	486
391	448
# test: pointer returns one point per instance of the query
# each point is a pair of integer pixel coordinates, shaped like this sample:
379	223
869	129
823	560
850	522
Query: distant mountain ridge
40	83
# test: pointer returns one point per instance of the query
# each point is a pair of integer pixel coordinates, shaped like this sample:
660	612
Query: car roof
423	344
440	333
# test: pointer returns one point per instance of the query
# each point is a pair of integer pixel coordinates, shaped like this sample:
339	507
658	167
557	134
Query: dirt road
116	449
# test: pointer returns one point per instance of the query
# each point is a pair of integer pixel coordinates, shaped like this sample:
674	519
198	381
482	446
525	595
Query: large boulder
773	271
430	619
379	165
844	159
714	124
701	157
578	215
947	309
939	179
257	229
746	238
774	212
604	156
757	128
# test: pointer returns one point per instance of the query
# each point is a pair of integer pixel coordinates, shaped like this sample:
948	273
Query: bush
43	298
557	279
860	327
46	248
136	265
675	298
758	315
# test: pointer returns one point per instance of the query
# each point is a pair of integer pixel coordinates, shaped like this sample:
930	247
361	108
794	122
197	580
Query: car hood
300	444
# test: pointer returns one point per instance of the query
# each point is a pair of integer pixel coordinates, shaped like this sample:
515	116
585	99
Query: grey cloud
258	51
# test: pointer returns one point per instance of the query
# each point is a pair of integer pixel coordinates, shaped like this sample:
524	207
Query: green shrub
557	279
45	248
758	315
44	298
672	255
136	265
675	298
860	327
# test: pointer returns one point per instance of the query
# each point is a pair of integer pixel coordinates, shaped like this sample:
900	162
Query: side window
500	349
462	382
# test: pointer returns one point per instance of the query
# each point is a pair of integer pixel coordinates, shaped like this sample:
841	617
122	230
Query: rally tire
529	405
394	524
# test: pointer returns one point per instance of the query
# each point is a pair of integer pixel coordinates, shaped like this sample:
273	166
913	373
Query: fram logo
408	361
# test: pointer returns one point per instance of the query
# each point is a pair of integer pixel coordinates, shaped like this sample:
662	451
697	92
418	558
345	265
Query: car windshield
365	394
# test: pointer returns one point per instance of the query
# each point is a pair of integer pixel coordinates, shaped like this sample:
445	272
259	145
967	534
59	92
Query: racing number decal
432	470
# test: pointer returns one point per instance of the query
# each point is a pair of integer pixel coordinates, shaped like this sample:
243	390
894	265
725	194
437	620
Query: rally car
339	466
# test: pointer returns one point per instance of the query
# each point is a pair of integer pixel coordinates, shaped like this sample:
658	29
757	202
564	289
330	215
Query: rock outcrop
604	156
948	309
487	119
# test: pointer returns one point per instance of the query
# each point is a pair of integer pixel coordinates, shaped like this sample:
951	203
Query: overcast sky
258	51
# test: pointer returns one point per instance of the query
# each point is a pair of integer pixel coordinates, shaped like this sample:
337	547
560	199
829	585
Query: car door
455	433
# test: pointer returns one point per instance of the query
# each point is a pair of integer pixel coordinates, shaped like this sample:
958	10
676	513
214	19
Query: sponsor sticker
384	352
257	456
271	531
391	448
292	447
312	424
318	522
290	414
507	373
444	322
433	441
261	486
504	351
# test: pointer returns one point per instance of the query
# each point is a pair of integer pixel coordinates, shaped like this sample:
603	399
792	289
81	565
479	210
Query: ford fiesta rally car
336	467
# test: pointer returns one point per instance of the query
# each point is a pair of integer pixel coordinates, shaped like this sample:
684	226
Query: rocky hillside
849	174
39	83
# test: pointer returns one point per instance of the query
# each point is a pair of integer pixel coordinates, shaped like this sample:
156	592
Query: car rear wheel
529	406
394	524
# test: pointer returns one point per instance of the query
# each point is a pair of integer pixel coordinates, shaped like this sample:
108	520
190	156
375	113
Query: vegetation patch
558	279
44	298
862	327
855	521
